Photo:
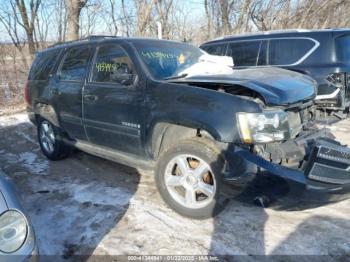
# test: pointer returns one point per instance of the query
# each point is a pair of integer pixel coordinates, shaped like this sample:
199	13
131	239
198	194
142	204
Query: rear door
215	49
247	53
67	90
113	101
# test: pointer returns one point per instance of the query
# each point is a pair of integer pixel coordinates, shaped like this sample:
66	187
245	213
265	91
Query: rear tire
189	179
50	140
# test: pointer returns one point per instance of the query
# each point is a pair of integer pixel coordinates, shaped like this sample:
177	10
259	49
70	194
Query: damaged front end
304	154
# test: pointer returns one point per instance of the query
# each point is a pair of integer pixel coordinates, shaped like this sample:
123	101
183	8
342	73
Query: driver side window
112	65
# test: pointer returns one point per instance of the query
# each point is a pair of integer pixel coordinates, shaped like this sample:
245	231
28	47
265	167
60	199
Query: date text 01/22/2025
173	258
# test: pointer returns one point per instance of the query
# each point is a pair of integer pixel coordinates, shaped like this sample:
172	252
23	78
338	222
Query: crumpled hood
277	86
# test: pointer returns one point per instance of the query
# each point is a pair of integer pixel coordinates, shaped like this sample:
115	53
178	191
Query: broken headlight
269	126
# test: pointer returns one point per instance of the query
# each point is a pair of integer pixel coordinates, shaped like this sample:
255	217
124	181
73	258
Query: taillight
26	98
337	79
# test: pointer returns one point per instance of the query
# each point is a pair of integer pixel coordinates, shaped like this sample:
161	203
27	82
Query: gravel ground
86	205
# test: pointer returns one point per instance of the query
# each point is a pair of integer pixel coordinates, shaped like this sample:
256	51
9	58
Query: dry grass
12	108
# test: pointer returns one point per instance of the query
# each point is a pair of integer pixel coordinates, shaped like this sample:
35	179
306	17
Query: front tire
189	179
50	141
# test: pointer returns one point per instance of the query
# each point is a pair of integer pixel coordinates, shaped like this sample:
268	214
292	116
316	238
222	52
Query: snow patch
10	158
13	119
98	194
30	161
26	136
71	217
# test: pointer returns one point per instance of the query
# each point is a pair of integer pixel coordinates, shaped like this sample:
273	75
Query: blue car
17	238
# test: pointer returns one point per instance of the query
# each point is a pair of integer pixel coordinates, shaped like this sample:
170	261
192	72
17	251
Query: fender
195	108
48	112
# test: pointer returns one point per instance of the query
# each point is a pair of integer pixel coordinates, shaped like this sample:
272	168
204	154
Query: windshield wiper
175	77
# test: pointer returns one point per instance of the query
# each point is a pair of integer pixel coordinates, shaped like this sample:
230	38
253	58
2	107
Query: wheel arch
165	134
47	112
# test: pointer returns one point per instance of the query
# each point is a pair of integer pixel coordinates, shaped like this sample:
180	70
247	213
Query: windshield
167	59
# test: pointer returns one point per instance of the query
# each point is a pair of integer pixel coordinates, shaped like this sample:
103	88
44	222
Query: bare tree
310	14
10	21
62	20
143	13
243	18
74	8
112	5
28	19
226	9
209	18
90	17
125	19
163	9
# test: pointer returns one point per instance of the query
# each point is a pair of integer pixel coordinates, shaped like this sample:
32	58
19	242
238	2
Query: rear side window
112	65
244	53
342	46
43	65
219	49
288	51
75	64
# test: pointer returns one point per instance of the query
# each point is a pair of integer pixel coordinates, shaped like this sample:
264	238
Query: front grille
329	174
335	155
329	163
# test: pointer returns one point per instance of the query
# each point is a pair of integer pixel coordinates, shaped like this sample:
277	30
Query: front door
113	113
67	90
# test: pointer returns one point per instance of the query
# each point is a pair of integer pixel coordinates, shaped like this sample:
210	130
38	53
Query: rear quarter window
288	51
43	65
342	47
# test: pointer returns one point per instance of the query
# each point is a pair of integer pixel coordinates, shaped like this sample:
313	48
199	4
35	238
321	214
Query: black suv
148	103
322	54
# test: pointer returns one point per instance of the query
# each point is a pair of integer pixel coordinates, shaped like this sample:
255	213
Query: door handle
91	98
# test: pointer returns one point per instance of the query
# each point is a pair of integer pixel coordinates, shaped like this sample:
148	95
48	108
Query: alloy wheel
190	181
47	136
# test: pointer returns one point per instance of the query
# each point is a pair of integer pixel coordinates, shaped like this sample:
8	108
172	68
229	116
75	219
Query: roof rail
264	33
95	37
88	38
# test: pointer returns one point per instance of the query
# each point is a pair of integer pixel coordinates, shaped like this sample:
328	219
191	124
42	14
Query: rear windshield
342	46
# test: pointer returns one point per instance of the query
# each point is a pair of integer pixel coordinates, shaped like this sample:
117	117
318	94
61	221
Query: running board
113	155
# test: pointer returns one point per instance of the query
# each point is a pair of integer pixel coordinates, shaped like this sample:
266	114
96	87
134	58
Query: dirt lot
87	205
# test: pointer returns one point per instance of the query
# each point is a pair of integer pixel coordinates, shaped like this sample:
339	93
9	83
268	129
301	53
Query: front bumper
325	168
